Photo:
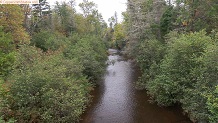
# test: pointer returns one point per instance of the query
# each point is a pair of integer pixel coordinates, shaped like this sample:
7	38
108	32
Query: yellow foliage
184	23
11	18
119	33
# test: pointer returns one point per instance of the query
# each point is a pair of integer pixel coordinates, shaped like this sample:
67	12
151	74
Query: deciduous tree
12	18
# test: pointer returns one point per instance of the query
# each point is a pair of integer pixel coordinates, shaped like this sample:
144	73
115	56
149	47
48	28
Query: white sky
106	7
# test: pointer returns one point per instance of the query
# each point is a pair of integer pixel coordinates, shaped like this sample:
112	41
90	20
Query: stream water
117	101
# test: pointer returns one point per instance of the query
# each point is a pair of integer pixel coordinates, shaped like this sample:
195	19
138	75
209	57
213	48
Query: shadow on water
117	101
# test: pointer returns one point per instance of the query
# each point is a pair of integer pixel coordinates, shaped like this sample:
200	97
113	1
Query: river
117	101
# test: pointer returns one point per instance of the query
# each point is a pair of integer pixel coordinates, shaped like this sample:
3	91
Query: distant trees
63	19
93	19
87	7
40	17
119	38
144	20
116	33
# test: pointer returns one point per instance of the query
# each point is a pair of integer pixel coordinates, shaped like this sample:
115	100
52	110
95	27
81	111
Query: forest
52	57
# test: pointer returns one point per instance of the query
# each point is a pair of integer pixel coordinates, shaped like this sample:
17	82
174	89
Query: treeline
115	35
50	59
175	44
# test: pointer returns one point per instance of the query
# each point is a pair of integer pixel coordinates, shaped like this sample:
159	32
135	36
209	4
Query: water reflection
117	101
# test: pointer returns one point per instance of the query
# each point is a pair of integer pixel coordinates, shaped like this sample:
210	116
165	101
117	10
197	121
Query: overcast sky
106	7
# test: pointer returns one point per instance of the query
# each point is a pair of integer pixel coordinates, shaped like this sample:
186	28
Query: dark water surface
117	101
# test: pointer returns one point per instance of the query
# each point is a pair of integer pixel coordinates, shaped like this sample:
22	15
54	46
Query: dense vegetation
50	59
175	45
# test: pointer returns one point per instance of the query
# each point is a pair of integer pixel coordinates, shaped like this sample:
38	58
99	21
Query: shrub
49	89
90	51
184	74
149	55
212	104
6	53
47	40
10	121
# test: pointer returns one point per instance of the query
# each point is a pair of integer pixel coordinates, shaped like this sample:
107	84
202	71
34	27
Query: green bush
4	98
187	72
210	81
47	40
90	51
9	121
212	104
149	55
6	53
47	88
